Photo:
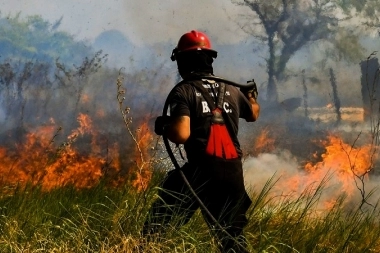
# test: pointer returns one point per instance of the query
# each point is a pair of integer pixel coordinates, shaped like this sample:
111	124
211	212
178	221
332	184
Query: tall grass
109	219
106	219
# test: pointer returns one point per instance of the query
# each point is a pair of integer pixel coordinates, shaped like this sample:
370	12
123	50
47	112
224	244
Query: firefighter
215	176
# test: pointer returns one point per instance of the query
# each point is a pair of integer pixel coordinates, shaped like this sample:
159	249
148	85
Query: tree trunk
272	95
335	96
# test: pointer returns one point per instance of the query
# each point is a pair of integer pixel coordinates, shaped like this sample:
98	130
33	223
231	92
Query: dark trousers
219	184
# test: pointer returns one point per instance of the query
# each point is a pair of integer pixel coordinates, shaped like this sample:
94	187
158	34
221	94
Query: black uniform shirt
186	100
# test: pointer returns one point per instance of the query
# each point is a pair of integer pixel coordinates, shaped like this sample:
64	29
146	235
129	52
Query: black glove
250	90
160	124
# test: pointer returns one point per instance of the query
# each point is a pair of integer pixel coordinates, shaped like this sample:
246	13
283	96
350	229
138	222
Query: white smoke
142	21
291	179
258	170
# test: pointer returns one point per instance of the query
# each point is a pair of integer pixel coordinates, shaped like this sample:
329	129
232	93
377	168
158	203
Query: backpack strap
222	91
216	106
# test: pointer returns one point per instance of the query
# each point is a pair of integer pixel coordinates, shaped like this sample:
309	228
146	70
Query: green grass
106	219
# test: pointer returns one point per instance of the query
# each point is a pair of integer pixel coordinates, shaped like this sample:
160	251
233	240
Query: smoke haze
143	22
292	180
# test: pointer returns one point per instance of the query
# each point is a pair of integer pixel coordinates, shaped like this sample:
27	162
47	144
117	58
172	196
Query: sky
141	21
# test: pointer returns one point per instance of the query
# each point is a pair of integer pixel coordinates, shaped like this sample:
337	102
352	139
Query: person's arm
178	131
250	94
177	126
255	109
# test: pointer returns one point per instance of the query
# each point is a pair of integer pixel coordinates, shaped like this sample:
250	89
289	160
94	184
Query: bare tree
371	81
286	26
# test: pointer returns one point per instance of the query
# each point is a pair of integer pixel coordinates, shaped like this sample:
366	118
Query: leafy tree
37	39
286	26
36	59
366	10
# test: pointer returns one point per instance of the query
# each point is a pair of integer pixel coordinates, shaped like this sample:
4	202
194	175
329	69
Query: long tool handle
249	84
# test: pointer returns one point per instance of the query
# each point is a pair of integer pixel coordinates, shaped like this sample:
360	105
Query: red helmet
193	40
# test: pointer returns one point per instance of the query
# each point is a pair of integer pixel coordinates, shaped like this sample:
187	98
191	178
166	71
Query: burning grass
37	161
60	199
81	161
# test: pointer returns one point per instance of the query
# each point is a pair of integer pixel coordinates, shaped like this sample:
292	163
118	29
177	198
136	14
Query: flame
343	161
36	161
143	174
85	125
264	143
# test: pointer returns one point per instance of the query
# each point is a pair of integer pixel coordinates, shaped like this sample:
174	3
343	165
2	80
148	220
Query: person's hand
250	91
160	124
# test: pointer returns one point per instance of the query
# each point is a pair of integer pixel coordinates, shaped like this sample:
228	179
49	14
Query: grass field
108	219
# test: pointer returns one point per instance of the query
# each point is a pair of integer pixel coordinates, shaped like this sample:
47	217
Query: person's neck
195	73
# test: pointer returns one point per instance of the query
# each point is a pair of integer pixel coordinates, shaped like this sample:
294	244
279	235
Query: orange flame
344	162
264	143
143	174
36	161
